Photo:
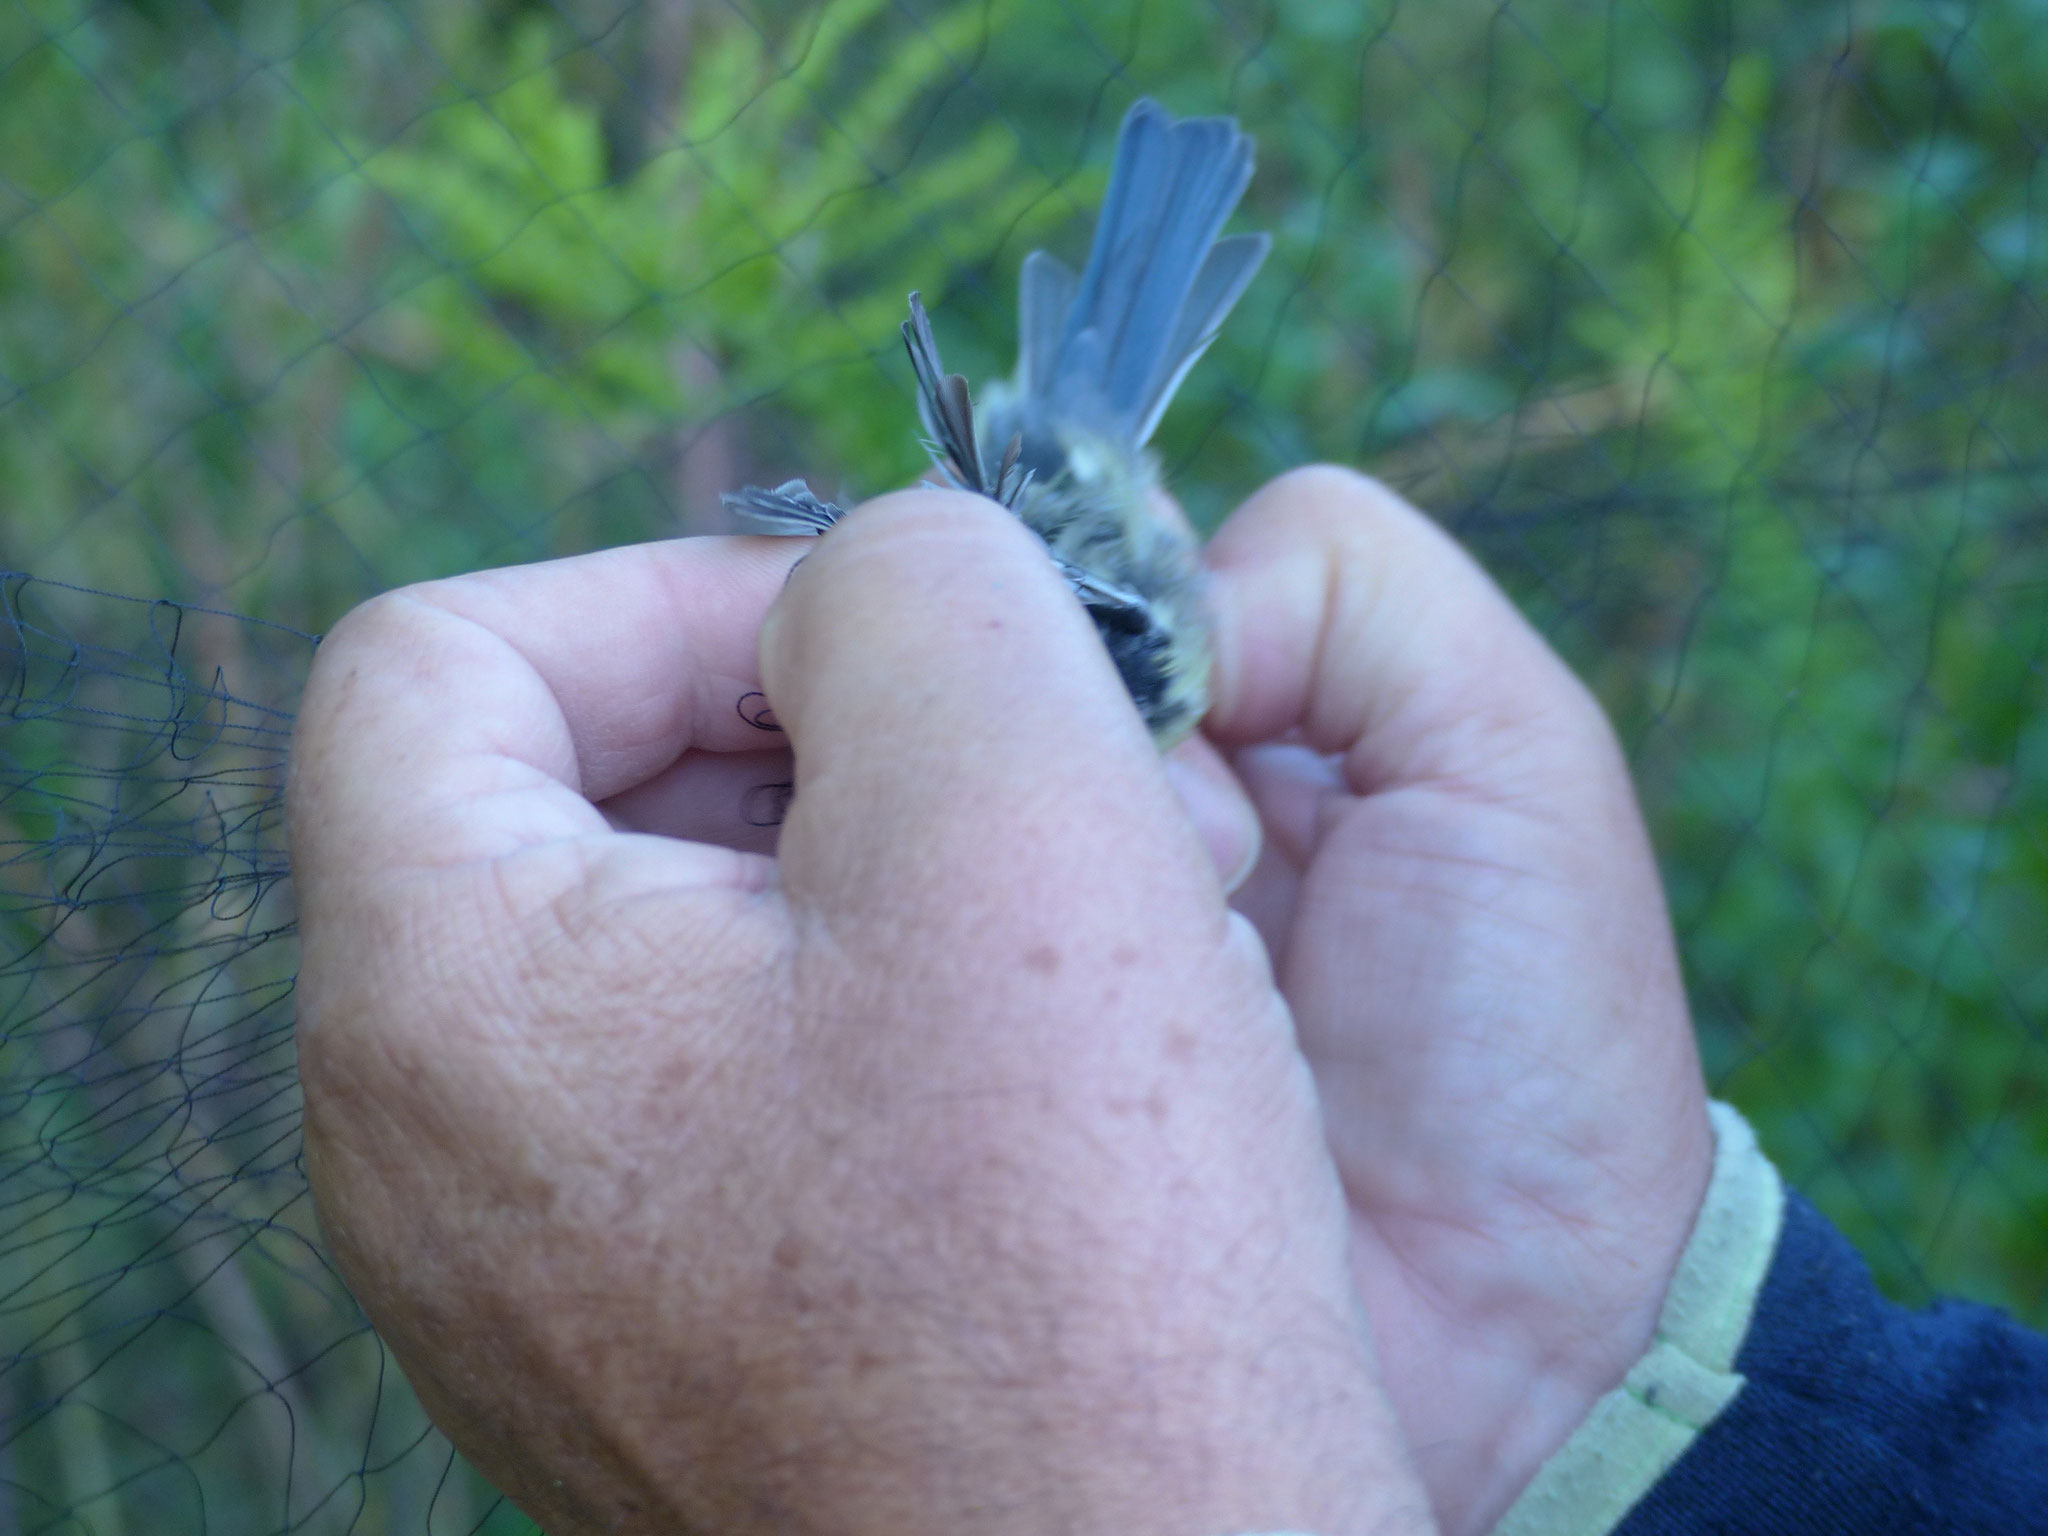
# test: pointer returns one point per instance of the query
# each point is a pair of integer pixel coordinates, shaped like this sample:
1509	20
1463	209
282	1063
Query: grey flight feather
1095	592
947	409
791	508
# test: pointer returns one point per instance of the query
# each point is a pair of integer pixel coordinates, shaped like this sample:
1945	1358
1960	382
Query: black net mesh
1716	328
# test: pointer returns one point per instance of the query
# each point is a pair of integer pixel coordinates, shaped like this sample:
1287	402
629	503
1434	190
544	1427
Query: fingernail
1224	817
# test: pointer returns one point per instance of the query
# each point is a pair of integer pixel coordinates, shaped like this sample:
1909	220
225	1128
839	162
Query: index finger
466	718
1352	622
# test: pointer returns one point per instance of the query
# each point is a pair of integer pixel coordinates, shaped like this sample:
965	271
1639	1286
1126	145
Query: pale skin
969	1163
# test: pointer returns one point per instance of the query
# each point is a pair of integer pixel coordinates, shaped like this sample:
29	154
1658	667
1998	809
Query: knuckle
1338	488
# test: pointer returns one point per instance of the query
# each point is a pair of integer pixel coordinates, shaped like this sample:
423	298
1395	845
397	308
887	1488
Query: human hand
1466	919
954	1170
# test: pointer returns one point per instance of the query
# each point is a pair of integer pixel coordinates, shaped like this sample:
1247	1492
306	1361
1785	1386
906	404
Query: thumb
962	741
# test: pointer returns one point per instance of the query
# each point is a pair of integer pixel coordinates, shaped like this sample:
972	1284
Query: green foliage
766	235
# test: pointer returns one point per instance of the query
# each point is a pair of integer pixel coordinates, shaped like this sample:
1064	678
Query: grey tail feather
1045	292
1158	282
791	508
1226	272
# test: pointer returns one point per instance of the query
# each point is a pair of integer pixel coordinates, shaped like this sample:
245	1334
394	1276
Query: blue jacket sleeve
1859	1415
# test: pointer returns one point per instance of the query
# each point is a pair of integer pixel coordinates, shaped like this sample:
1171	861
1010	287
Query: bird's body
1062	443
1092	499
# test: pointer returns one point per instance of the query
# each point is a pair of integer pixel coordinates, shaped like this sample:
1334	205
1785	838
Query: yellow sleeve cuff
1636	1432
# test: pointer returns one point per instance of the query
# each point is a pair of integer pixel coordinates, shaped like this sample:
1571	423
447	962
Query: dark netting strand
1716	329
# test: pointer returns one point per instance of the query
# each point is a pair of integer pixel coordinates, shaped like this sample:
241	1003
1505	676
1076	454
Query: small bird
1062	444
